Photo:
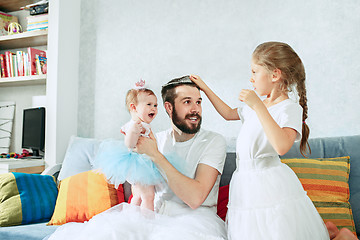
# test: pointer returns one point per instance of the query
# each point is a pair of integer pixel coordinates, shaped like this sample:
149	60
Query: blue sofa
321	148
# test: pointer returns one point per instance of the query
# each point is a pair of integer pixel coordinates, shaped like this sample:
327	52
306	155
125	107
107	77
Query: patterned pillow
26	198
84	195
326	182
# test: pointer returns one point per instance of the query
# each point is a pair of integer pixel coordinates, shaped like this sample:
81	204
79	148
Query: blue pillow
26	198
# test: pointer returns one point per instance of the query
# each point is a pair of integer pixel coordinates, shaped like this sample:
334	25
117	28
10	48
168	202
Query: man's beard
182	125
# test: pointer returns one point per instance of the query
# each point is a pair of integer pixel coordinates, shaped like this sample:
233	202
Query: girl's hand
198	81
250	98
137	128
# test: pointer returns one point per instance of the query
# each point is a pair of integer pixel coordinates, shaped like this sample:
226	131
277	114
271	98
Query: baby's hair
132	96
278	55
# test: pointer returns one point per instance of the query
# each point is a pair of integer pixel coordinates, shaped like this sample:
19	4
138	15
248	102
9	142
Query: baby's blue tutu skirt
119	164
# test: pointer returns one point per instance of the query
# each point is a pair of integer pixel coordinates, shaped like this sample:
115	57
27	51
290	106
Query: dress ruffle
270	203
119	164
126	221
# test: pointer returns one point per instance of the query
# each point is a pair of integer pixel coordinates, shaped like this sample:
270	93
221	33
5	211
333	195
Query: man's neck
180	136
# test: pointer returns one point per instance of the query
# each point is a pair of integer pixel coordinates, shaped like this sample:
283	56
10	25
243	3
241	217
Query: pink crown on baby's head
140	84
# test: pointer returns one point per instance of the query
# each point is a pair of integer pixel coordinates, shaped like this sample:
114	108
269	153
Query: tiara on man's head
183	80
140	84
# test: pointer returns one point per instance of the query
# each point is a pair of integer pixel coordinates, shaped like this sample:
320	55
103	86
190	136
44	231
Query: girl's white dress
266	199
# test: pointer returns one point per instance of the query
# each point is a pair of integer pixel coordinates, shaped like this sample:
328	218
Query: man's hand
147	145
136	128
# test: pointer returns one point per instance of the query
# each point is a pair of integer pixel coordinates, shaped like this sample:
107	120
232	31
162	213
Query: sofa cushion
326	182
79	156
26	198
223	199
330	147
84	195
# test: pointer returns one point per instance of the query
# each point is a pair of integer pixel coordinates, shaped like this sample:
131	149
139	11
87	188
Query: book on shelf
22	63
8	62
32	58
37	22
3	66
41	66
14	65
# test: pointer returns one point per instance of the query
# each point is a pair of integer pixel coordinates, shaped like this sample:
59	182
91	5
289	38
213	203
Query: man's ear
169	108
276	75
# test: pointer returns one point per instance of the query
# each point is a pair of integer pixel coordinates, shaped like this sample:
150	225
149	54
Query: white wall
123	41
62	78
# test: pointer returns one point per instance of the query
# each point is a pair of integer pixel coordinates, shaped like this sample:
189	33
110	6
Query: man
192	194
186	203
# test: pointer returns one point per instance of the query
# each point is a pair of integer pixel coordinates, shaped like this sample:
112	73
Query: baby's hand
250	98
137	127
198	81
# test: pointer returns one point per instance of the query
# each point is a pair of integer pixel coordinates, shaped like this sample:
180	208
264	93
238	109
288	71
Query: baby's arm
222	108
133	134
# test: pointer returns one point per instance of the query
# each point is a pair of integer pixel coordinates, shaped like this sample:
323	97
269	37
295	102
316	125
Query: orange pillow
84	195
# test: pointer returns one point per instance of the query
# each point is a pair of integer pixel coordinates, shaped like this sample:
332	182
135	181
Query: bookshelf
60	85
14	5
23	40
21	89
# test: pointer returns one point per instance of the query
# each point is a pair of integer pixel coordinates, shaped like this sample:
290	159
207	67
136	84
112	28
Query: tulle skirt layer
270	203
126	221
119	164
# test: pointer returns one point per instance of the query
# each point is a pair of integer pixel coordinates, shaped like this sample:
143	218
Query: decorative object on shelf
7	110
25	153
5	20
38	7
14	28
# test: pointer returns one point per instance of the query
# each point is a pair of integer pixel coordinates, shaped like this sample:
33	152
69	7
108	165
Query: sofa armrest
52	170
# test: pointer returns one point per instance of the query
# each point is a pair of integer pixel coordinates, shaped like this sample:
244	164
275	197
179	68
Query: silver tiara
181	81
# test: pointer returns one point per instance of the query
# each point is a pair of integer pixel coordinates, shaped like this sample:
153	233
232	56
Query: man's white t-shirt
205	147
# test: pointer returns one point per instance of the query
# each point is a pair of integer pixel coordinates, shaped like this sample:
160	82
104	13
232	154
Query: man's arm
192	191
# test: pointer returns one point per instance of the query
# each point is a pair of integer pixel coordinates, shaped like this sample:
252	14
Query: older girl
267	200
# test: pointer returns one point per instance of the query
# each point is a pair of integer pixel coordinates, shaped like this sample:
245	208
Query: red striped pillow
326	182
84	195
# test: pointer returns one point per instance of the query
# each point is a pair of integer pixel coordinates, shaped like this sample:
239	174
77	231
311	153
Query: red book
32	58
3	66
8	63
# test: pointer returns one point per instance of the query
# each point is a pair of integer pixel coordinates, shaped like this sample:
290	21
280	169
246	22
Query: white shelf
23	40
23	81
11	165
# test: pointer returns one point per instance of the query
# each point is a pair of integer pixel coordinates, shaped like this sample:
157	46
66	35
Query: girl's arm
281	139
192	191
222	108
132	135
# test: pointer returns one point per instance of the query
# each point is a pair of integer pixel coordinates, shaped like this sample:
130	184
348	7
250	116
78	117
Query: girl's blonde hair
278	55
132	96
